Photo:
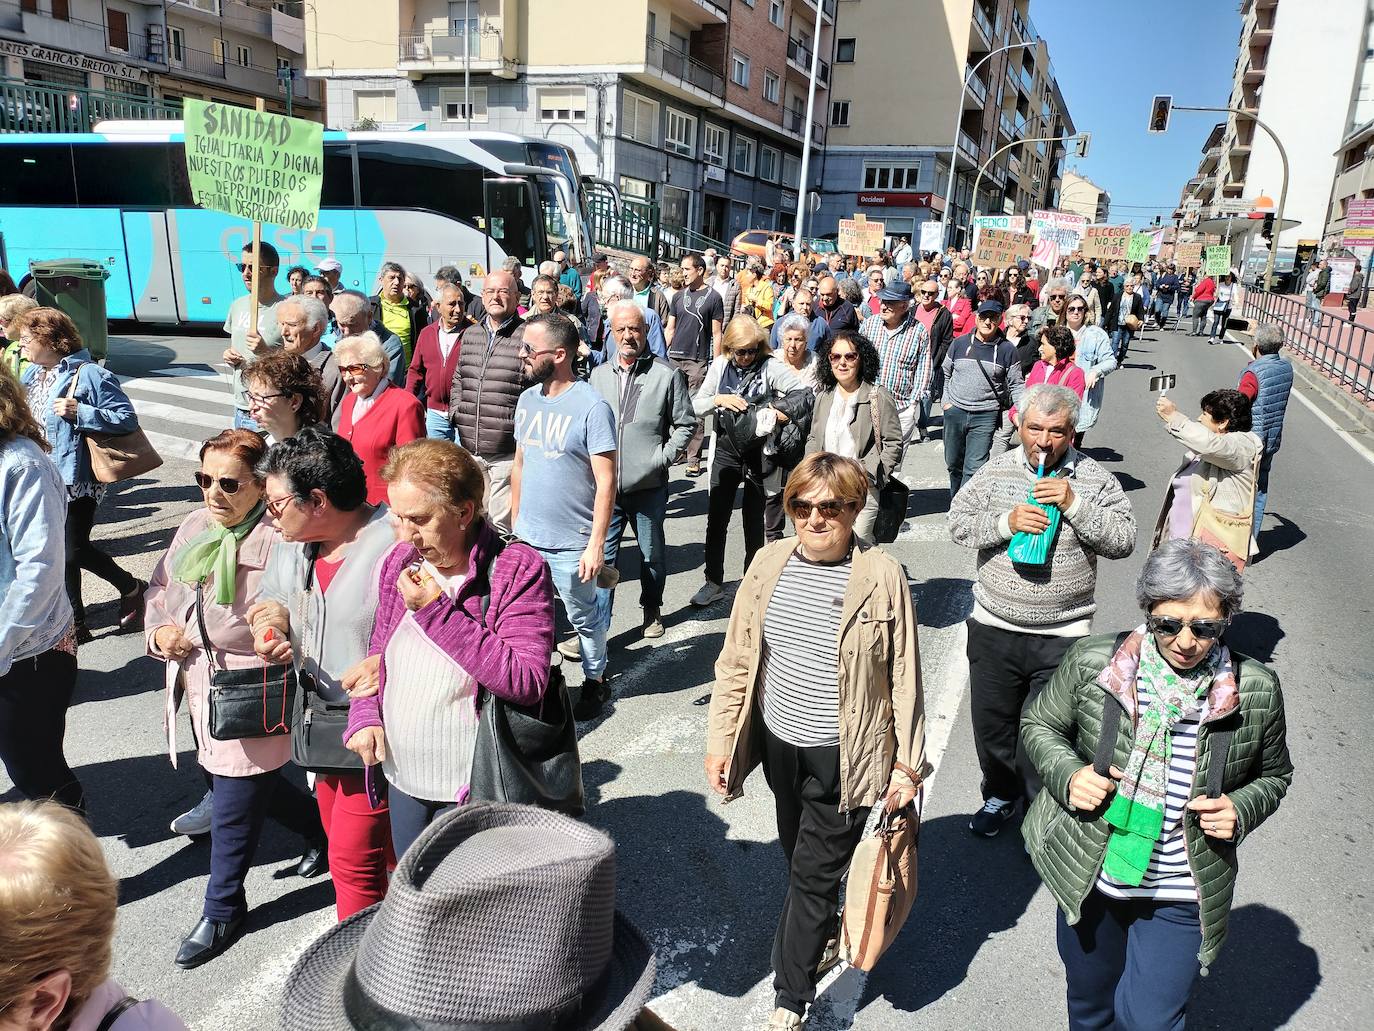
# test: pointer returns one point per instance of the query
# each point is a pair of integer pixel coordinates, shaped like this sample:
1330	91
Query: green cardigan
1059	733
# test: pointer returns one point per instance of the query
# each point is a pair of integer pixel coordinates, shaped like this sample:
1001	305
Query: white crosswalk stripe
177	429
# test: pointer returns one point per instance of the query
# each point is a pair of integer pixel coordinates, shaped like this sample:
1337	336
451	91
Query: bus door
512	230
147	249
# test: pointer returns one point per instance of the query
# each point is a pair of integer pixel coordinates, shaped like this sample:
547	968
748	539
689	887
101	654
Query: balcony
206	11
251	19
984	36
424	52
691	78
197	64
698	13
794	122
1011	129
799	60
968	146
827	8
975	91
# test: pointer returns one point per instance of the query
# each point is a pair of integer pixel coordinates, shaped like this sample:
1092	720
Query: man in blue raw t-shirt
563	485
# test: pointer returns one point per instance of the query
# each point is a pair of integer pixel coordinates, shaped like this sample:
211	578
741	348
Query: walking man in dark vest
1267	382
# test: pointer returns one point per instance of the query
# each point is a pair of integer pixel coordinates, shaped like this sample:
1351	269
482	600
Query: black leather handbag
528	754
246	703
893	494
318	725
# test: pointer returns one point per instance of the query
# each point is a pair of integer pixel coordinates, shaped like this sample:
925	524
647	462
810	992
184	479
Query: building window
243	56
844	49
680	134
768	164
566	104
791	171
640	189
744	155
176	44
639	119
377	104
771	83
117	25
766	218
455	110
31	6
775	12
739	69
717	139
839	112
891	177
61	10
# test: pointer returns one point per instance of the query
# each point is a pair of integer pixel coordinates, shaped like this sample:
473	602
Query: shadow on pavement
1263	977
927	501
942	601
141	675
1255	634
1129	482
1287	534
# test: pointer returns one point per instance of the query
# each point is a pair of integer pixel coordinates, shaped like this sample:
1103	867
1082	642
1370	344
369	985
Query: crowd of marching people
424	489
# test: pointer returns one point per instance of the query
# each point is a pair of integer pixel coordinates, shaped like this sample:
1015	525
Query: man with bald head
642	275
486	387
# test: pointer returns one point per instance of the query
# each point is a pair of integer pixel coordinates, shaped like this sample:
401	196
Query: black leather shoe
595	695
314	861
206	941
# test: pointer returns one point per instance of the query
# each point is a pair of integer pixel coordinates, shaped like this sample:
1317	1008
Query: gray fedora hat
497	916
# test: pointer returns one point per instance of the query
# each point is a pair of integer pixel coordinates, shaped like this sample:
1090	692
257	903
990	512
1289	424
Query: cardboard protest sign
998	248
859	236
1218	260
1010	223
1188	255
253	164
1056	233
1106	243
1138	249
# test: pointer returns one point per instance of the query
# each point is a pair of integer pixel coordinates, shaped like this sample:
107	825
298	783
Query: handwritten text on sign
1106	243
859	236
1188	255
1218	260
258	166
1138	249
1000	247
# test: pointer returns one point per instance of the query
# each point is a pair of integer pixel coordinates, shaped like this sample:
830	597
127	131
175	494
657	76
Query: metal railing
449	47
639	229
1341	349
674	64
28	108
800	55
197	62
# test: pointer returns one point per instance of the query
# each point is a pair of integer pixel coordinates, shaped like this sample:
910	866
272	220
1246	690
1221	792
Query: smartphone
1165	382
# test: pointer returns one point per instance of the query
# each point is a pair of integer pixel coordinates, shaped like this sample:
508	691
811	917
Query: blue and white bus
120	196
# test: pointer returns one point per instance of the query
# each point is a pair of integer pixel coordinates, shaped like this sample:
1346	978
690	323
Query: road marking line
943	709
160	386
174	447
185	416
191	372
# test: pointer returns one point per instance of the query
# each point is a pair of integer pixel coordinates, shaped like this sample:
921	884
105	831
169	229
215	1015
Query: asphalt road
704	881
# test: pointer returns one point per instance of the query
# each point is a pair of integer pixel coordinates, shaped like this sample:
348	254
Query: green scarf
1136	815
216	550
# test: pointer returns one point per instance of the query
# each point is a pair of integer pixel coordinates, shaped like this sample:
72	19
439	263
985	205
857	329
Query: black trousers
1006	672
34	696
818	840
82	554
724	483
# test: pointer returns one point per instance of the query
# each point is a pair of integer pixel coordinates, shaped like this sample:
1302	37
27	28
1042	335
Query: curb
1320	384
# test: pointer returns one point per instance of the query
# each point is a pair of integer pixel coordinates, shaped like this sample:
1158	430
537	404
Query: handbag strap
1003	398
877	429
1219	742
1112	711
112	1016
76	377
200	621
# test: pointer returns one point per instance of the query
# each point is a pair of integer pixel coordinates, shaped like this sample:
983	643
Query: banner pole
257	250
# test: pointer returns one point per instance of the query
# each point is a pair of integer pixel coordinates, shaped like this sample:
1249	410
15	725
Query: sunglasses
843	358
356	369
1203	629
1059	297
745	352
247	266
831	508
276	506
1077	307
226	483
928	293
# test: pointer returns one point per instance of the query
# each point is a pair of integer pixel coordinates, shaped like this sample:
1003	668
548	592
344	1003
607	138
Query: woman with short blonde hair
57	917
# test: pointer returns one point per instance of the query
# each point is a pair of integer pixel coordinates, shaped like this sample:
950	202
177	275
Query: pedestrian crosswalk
180	407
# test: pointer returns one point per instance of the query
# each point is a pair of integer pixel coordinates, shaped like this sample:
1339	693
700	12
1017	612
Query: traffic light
1080	143
1268	231
1160	108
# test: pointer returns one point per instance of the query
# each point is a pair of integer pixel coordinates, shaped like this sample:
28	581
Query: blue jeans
1161	308
1121	342
244	421
968	442
1181	301
580	600
1129	964
437	426
1261	491
1220	318
649	509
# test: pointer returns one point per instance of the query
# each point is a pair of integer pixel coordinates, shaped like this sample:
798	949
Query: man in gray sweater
982	381
1025	616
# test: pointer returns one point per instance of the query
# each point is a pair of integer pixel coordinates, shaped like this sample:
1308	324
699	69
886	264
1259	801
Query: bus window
406	176
131	175
554	226
37	174
336	191
509	222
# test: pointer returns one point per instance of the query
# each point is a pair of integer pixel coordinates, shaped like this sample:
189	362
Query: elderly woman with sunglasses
1095	355
820	680
1161	750
220	554
374	416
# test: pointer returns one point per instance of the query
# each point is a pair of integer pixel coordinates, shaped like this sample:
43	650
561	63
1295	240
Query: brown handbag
881	886
116	456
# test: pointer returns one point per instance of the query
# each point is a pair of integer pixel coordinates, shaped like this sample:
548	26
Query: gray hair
1057	283
366	347
626	304
512	265
616	288
1269	338
390	266
360	299
316	314
851	291
1018	309
1051	399
550	269
1181	568
793	320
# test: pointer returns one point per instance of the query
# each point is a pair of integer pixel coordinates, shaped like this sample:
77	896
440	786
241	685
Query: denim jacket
102	407
34	610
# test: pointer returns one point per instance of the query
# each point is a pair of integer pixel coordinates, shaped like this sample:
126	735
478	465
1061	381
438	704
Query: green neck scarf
216	550
1136	815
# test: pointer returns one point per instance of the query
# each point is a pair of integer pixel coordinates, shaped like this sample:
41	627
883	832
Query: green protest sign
1218	260
255	165
1139	248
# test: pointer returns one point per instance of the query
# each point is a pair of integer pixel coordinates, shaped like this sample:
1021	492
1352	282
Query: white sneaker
784	1020
571	648
709	594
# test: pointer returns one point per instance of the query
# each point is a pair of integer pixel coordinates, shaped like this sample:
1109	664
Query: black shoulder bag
527	754
317	724
246	703
1003	398
893	494
111	1018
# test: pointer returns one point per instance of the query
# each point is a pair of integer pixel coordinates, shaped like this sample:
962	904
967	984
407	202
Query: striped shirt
800	668
903	357
1168	878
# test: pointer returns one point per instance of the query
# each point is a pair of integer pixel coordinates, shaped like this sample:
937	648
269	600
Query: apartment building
1082	196
887	152
65	64
696	105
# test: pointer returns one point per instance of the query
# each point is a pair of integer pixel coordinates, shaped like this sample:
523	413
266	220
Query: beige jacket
1225	472
882	714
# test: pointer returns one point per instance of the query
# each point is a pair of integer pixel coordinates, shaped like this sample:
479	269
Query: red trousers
360	853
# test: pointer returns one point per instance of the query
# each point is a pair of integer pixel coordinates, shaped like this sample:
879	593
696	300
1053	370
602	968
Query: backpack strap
1112	711
1218	743
120	1008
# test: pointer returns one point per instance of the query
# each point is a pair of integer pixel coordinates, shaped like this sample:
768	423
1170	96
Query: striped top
800	669
1168	877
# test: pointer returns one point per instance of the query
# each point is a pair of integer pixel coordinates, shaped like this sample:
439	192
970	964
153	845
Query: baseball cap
330	265
990	308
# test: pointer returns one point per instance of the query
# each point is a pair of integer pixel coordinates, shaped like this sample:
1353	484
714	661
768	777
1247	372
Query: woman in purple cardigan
414	699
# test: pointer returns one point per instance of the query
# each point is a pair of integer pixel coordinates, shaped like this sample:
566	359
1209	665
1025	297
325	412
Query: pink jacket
1062	374
172	603
962	309
146	1016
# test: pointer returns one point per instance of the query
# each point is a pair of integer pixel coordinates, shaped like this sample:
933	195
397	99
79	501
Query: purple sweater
508	657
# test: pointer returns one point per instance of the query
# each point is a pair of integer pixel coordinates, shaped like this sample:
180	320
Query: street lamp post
954	146
973	202
803	190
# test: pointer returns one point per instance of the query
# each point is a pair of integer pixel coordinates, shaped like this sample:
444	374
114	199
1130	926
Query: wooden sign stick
257	251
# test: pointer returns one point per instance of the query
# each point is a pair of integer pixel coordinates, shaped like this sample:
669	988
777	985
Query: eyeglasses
526	349
246	266
1059	297
843	357
929	293
275	506
1203	629
226	483
745	352
829	509
261	399
356	369
1078	307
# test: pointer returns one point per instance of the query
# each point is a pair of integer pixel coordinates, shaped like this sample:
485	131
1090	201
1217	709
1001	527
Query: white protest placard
932	237
1008	223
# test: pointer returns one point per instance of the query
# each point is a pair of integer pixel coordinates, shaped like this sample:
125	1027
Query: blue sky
1111	59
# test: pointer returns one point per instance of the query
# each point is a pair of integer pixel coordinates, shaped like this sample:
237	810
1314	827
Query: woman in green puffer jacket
1160	750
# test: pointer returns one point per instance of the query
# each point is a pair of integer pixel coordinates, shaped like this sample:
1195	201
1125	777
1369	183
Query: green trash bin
76	286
